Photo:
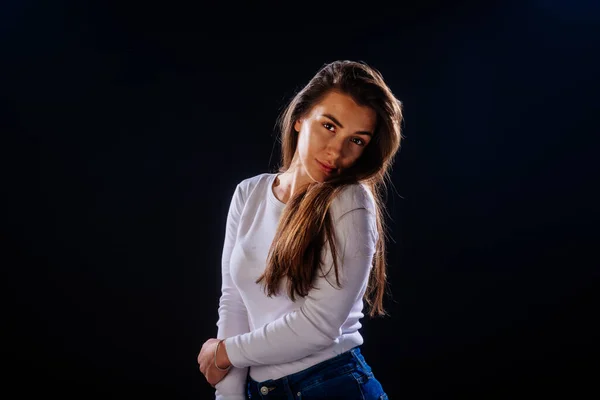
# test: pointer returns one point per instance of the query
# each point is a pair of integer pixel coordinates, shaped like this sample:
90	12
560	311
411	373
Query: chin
317	176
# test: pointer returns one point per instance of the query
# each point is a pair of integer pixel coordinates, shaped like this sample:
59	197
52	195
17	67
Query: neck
290	182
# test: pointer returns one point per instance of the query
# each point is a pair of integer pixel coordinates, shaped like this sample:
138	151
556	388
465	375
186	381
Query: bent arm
233	316
317	323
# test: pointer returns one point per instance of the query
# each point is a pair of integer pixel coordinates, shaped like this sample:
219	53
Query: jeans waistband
349	359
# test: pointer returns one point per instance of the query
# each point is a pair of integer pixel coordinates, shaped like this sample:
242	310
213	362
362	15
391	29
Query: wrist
222	357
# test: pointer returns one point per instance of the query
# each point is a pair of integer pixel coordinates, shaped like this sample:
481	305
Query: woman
305	246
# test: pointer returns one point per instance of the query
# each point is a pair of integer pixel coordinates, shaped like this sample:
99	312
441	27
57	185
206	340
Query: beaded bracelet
216	349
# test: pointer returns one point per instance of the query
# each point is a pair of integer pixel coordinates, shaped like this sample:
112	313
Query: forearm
233	385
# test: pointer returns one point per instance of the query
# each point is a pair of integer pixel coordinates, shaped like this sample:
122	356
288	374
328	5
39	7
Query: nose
335	148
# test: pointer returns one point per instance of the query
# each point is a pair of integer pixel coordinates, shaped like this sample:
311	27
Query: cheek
319	140
303	145
353	156
309	143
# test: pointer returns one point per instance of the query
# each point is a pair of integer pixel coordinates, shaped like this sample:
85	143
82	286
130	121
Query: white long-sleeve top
273	337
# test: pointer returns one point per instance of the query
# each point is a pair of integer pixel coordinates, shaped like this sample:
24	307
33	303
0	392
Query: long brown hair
305	226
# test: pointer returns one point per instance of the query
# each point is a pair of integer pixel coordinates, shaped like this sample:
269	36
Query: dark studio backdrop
125	128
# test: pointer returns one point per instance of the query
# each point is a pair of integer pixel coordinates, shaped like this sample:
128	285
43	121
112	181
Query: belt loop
360	360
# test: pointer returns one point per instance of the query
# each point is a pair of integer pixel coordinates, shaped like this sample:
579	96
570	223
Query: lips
326	168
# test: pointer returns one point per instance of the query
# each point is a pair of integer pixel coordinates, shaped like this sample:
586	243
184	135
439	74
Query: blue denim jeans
346	376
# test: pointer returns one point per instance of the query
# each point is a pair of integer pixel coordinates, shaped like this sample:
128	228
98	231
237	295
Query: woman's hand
206	361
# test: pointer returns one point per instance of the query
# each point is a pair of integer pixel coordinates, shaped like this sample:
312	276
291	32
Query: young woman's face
334	134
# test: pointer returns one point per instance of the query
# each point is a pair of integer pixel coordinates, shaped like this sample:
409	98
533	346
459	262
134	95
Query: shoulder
246	186
352	197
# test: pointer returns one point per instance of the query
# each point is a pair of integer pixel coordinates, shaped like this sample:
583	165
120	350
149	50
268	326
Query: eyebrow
331	117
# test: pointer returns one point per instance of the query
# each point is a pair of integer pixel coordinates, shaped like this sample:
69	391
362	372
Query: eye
360	141
327	125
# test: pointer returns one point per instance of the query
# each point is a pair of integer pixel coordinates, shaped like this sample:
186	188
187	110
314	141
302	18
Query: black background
126	126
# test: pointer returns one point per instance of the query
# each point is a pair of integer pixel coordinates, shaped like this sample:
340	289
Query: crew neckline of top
271	195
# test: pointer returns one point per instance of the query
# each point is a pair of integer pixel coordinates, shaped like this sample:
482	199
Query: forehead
343	107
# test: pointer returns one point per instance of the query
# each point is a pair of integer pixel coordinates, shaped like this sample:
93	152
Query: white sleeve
317	323
233	316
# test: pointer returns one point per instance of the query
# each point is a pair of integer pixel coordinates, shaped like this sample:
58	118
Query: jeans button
264	390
